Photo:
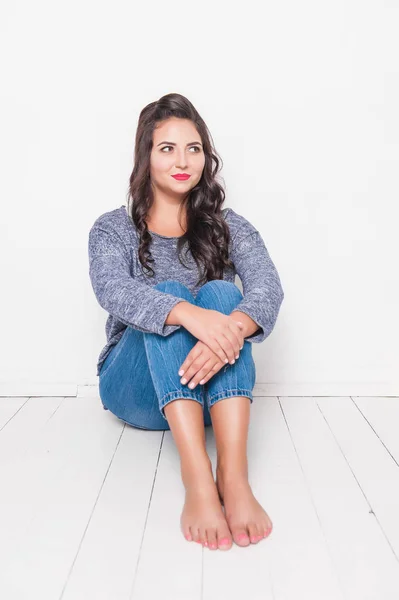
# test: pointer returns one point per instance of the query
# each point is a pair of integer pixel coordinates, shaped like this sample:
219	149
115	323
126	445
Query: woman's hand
200	365
220	332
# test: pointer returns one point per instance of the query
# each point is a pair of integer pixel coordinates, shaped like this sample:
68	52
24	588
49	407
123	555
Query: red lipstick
181	176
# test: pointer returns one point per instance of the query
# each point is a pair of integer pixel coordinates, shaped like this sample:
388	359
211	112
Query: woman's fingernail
237	356
181	372
184	380
202	381
226	360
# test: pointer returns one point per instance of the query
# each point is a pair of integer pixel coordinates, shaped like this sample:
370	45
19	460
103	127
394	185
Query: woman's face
177	149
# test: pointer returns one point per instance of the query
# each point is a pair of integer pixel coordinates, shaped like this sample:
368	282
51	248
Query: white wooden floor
90	507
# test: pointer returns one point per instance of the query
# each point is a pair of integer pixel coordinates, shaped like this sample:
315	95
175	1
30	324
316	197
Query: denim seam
230	393
174	395
118	349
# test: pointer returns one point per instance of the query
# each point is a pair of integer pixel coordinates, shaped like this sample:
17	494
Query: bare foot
202	519
248	521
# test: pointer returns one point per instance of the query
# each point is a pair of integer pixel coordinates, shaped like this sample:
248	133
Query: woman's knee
220	295
217	294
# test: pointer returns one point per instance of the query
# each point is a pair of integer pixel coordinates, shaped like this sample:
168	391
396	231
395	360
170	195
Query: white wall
301	99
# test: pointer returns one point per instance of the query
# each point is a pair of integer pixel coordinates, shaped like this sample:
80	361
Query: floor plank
365	564
107	561
90	506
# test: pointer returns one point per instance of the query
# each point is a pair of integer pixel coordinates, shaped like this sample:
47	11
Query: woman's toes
253	533
212	541
196	536
240	536
268	531
225	542
203	538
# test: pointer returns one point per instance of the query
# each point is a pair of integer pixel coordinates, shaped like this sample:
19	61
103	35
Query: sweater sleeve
262	290
133	303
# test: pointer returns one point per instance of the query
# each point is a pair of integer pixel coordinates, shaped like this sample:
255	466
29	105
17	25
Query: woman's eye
192	148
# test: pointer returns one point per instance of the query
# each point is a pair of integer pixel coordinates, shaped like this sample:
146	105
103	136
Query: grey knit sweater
129	297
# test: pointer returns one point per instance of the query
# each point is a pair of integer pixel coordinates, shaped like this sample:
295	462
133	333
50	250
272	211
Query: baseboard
26	389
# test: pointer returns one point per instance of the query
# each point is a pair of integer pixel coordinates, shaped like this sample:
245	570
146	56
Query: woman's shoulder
112	229
239	225
112	220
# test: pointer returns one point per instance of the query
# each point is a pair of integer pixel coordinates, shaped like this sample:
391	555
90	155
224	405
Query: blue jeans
140	374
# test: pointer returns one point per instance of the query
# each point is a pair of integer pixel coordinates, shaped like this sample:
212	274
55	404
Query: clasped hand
222	332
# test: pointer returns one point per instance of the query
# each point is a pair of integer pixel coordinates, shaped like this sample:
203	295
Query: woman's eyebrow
173	144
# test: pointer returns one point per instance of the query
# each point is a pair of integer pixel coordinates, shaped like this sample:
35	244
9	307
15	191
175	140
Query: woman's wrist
180	311
250	327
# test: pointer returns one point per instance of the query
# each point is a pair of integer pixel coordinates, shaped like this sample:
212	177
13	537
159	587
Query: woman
178	353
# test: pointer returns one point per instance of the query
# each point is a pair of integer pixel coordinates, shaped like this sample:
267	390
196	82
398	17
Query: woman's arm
133	303
262	290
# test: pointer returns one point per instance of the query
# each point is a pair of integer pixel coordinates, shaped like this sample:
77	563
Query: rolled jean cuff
228	394
170	396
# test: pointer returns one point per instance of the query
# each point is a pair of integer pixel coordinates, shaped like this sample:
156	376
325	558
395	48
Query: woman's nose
181	162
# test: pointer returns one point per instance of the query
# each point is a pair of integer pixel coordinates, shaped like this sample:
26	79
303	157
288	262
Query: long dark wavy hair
207	233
